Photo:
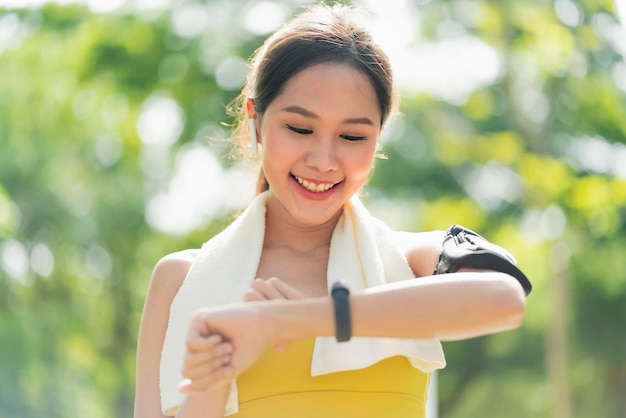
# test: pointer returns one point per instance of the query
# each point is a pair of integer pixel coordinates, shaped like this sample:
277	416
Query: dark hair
321	34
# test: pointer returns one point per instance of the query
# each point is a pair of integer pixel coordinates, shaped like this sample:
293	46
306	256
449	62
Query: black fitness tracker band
341	303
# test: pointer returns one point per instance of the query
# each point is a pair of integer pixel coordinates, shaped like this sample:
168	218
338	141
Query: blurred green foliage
534	159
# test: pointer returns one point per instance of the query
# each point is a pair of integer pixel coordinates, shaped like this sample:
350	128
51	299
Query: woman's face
319	137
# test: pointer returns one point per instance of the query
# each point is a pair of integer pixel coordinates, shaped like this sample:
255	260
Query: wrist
207	403
288	320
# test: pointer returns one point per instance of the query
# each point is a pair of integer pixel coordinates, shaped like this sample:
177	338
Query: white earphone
252	133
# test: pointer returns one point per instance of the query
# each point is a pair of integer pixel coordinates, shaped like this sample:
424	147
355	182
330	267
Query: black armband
465	248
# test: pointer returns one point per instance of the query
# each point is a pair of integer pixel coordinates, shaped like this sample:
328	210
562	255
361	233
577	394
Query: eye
299	130
353	137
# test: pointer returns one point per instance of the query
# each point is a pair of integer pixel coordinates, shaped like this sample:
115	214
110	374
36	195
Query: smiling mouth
314	187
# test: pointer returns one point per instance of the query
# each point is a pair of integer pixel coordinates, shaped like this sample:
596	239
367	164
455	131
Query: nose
322	154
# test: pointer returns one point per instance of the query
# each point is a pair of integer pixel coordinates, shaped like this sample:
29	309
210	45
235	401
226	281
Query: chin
311	218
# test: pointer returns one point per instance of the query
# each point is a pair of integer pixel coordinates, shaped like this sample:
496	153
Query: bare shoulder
422	249
180	259
171	270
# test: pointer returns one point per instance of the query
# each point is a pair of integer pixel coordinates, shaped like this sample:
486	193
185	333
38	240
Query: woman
261	343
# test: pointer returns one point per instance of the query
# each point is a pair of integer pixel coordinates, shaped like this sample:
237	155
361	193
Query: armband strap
463	247
341	304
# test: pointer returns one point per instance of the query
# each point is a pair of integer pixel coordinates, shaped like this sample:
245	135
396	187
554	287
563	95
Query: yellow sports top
280	385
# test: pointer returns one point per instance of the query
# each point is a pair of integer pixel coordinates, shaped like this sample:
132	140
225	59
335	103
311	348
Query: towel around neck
362	254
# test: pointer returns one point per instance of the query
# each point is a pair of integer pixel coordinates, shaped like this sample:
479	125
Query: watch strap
341	303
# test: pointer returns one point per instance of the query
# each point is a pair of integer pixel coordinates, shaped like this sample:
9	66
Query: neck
282	230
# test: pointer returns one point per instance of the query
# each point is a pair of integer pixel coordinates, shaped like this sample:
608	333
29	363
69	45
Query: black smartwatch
341	303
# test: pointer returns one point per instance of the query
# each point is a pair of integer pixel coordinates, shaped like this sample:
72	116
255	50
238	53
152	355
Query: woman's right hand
207	360
215	335
222	343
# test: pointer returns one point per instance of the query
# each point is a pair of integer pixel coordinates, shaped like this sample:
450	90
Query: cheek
360	163
278	152
275	144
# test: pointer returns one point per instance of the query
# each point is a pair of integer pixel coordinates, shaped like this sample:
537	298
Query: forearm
208	404
448	307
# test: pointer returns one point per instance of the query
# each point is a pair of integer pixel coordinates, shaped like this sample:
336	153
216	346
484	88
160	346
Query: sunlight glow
199	190
98	262
190	20
108	148
597	155
492	184
84	103
104	6
450	70
15	261
569	12
611	29
9	26
21	4
549	223
231	73
265	17
620	9
160	122
42	260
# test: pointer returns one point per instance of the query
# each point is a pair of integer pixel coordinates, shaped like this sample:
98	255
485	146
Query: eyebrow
307	113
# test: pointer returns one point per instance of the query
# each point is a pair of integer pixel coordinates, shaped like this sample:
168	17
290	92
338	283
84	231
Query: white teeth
312	187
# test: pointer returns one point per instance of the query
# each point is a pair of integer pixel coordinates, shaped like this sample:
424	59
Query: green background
534	158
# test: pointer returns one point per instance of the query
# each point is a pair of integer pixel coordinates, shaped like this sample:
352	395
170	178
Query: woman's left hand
272	288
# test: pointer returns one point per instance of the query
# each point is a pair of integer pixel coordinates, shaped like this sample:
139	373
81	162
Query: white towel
362	254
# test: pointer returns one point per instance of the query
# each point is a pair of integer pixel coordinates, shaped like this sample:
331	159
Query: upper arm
422	250
167	277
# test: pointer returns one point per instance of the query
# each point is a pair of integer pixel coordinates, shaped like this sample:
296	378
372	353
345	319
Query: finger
199	326
252	295
200	371
266	290
196	342
199	358
288	292
221	376
220	371
185	387
200	329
